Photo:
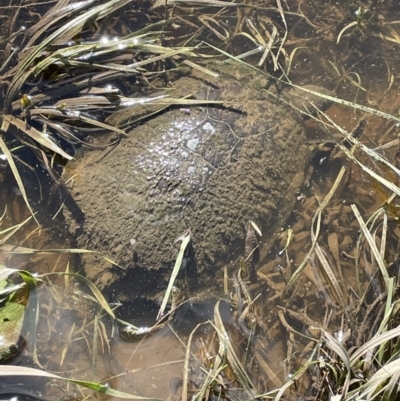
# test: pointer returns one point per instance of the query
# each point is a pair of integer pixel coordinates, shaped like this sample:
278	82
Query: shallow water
74	336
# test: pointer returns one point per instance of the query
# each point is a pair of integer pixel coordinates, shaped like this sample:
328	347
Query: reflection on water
272	329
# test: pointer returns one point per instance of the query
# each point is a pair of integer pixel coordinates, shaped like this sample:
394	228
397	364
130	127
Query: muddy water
363	68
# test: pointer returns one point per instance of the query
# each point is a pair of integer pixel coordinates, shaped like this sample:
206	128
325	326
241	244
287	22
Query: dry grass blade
331	276
333	244
67	31
240	373
292	380
38	136
208	382
202	3
296	376
333	99
372	245
12	230
384	233
376	382
68	135
353	105
267	370
338	349
256	228
186	368
289	328
391	389
385	37
96	292
104	336
8	249
67	344
7	153
217	367
379	356
388	309
373	343
362	147
257	50
388	184
64	54
95	341
33	325
4	213
348	26
52	18
314	235
162	56
282	14
175	271
99	124
370	152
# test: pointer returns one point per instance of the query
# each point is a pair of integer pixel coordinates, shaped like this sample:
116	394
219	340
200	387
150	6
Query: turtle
210	169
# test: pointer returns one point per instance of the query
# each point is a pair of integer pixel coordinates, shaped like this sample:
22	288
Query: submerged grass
351	354
36	311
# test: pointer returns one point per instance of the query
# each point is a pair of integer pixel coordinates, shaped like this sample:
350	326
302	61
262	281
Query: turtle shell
209	169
